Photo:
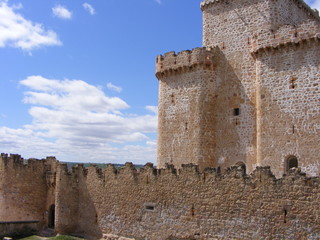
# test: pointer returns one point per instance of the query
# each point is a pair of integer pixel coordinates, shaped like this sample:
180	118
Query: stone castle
250	99
250	96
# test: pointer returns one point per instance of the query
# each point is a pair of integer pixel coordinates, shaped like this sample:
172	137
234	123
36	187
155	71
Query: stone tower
186	105
251	95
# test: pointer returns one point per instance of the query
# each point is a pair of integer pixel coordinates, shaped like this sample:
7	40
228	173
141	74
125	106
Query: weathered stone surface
250	96
162	204
26	188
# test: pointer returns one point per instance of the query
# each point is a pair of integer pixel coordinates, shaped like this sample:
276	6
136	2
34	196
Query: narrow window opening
192	210
293	83
293	129
186	126
172	98
236	111
285	215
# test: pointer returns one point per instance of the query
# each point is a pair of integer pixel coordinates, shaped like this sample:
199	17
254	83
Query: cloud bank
18	32
76	121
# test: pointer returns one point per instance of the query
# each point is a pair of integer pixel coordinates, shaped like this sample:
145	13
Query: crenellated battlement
189	171
313	13
285	36
16	161
173	63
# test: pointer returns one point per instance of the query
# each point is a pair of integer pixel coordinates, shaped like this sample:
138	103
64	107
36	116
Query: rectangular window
236	111
150	207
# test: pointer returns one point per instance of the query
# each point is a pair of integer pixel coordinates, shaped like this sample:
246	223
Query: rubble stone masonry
26	188
258	104
159	204
249	97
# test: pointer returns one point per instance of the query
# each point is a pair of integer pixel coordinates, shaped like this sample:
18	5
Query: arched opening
243	167
291	162
51	216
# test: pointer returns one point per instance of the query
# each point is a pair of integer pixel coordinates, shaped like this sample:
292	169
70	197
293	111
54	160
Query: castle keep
238	147
251	95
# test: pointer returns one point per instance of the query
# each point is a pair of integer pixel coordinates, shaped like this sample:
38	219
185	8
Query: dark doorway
51	216
243	167
292	162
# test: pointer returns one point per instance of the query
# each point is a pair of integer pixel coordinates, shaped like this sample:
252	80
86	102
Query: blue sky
77	77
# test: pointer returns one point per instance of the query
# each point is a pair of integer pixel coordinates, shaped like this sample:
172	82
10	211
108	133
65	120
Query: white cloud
18	32
89	8
113	87
153	109
158	1
61	12
69	95
76	121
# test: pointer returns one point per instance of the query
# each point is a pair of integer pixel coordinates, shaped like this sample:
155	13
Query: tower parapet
314	13
173	62
286	35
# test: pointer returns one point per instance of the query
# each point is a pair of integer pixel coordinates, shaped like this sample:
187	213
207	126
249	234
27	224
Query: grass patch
31	238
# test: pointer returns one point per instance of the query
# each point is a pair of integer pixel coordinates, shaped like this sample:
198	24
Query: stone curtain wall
24	189
158	204
18	229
